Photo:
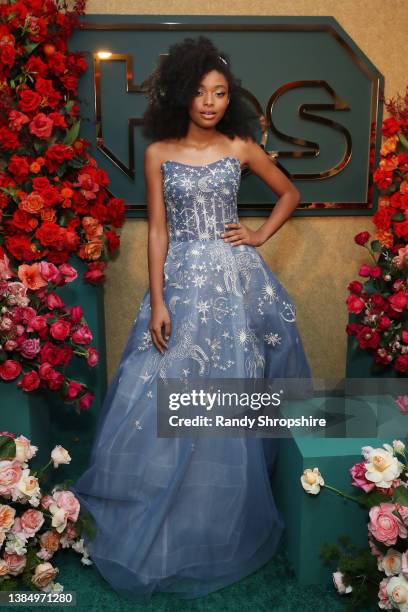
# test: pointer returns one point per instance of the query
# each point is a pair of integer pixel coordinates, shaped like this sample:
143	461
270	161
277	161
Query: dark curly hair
172	85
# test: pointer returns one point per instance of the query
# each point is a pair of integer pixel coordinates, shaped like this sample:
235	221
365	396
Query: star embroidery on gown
272	338
145	377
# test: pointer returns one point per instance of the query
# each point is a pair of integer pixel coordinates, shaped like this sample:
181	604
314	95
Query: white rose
28	485
390	563
397	591
398	446
311	481
382	467
59	455
365	451
388	448
339	584
24	450
59	517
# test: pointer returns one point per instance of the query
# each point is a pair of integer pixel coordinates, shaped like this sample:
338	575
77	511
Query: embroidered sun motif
269	292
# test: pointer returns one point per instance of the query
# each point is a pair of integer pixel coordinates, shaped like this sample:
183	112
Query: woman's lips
208	115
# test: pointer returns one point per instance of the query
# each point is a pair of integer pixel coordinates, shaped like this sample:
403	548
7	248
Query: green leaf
403	140
30	46
398	217
69	105
376	246
7	447
374	498
72	133
401	496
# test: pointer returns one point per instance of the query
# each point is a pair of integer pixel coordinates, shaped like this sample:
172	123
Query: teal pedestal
313	520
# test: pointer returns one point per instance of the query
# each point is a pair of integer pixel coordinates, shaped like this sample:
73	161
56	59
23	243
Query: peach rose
4	568
10	474
16	563
68	501
59	517
384	525
91	250
390	564
312	480
44	573
28	485
7	514
31	521
397	591
50	540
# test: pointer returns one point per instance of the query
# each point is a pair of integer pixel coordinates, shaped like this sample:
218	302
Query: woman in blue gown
182	515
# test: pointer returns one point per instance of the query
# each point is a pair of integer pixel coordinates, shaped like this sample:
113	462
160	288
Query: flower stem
354	499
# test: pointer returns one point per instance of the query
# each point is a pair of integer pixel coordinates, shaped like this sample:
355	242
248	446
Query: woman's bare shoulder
158	150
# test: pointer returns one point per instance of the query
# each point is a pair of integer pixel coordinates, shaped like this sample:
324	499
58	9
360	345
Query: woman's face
210	101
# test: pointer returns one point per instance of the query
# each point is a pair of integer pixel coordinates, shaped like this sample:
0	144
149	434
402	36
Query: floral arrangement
379	305
34	525
379	574
54	202
38	334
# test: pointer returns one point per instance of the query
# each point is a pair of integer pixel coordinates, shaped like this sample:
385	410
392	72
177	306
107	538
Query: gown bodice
200	200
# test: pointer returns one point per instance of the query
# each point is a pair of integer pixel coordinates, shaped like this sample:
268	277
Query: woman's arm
157	232
289	197
157	246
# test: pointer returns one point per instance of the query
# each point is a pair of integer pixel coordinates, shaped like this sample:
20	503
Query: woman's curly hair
170	88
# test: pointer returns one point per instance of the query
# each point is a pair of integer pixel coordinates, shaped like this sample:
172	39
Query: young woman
176	515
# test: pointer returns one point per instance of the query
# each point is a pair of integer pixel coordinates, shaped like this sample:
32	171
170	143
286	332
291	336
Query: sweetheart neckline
203	165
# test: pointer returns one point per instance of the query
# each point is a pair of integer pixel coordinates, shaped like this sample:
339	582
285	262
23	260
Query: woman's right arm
157	245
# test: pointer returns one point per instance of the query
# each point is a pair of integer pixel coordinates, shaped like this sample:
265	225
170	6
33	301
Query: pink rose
16	563
359	480
60	329
46	501
41	126
402	402
10	473
49	272
93	357
31	521
54	301
30	348
82	335
68	502
374	550
384	525
69	272
383	595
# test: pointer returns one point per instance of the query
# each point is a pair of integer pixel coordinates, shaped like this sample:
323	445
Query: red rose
365	270
10	369
8	55
355	286
398	301
18	166
368	338
76	313
355	304
401	363
404	336
113	240
352	329
73	389
49	234
30	381
86	401
390	127
29	100
361	238
41	126
383	323
375	272
60	329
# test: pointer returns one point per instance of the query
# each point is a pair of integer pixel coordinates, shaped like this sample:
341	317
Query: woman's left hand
238	233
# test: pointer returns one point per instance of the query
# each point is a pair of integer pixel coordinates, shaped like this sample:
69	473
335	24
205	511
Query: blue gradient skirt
182	515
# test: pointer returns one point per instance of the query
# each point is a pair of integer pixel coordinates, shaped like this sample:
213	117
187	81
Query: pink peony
359	480
67	501
384	525
31	521
384	601
10	473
